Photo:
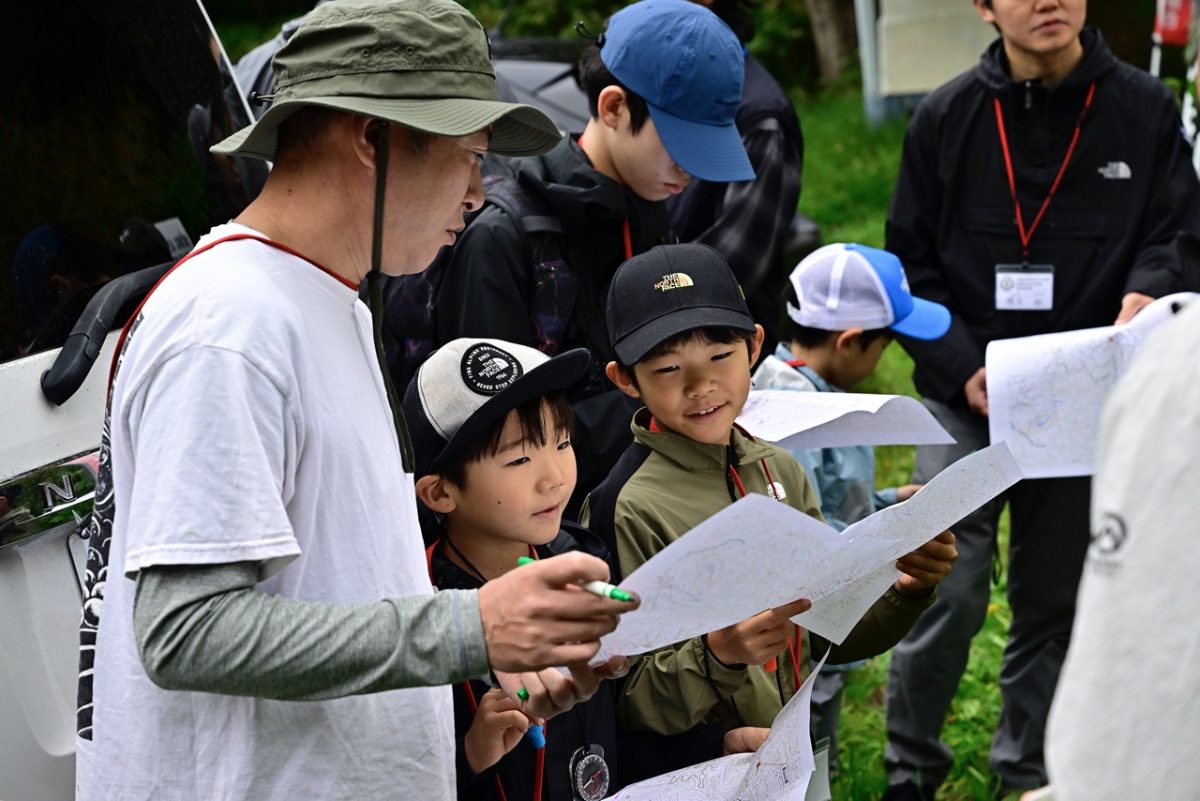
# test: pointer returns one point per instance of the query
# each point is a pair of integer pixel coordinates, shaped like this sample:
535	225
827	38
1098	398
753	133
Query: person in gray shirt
255	501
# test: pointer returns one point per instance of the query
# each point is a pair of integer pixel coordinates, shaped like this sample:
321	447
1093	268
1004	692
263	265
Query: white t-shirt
249	423
1126	717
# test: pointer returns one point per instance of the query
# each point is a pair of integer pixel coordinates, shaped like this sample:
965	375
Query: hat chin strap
375	294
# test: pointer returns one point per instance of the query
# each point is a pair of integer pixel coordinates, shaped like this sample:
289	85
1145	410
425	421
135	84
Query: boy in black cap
685	343
491	431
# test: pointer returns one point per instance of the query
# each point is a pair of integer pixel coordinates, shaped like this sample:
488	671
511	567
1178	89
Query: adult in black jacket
1109	232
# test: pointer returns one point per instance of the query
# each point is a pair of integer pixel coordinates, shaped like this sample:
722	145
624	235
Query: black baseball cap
668	290
468	385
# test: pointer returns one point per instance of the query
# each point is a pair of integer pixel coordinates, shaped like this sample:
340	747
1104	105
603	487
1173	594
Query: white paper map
835	419
758	553
779	771
874	544
1046	392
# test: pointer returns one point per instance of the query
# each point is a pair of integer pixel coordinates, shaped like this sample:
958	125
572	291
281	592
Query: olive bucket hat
424	64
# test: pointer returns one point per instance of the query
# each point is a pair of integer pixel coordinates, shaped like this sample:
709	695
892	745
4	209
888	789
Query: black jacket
488	286
1109	230
593	721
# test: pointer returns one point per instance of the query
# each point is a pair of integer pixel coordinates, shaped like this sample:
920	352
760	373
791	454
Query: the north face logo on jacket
1116	171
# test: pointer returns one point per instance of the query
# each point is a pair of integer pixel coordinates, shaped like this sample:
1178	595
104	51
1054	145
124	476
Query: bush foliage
783	41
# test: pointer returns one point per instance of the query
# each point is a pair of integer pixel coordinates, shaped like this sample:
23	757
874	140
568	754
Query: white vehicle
109	109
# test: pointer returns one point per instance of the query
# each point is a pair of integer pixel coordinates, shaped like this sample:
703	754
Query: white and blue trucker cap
843	286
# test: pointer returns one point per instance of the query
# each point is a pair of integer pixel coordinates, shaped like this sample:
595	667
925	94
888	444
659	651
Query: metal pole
868	54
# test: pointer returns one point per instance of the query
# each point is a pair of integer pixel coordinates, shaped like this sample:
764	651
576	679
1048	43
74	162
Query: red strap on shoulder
112	368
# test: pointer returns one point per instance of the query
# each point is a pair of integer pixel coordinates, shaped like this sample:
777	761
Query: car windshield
109	110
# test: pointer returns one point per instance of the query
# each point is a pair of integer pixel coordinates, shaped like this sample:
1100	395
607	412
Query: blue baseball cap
689	68
844	286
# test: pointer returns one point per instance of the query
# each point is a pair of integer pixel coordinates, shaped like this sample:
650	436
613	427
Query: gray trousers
1048	542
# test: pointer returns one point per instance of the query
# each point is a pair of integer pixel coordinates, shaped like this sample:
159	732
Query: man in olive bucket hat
268	629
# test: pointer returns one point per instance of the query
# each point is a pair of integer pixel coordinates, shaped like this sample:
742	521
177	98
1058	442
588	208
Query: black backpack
410	322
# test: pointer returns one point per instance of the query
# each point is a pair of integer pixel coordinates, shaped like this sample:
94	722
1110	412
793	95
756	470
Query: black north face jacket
1110	228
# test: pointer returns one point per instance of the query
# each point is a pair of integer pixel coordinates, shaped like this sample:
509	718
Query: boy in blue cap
663	84
844	303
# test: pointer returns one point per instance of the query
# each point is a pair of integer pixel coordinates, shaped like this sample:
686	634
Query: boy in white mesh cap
844	301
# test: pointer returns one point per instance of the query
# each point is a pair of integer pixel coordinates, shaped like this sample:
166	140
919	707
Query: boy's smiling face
518	493
696	388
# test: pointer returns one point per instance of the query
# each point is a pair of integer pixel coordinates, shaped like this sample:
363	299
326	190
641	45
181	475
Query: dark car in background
109	109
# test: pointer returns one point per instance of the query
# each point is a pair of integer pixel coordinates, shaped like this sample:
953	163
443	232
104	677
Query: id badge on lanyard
1024	287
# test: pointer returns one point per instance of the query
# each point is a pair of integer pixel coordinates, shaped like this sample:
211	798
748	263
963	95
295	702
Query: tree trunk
834	36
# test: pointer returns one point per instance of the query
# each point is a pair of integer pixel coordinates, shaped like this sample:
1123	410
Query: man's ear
846	339
622	380
434	493
984	12
362	137
611	107
756	345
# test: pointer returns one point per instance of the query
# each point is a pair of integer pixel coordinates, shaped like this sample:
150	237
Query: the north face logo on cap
674	281
487	370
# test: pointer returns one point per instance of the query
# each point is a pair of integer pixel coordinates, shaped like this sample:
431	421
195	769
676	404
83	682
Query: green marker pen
601	588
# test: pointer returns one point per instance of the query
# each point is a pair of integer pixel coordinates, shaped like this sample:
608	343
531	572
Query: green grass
848	176
849	168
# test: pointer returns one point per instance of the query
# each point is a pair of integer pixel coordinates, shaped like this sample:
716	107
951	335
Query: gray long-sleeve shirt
206	628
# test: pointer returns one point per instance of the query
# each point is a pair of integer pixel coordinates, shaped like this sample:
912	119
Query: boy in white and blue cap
844	304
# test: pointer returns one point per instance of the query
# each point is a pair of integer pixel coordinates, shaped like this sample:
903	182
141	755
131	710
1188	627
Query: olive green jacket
673	486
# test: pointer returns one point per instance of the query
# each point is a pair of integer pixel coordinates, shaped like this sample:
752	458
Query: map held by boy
779	771
758	553
836	419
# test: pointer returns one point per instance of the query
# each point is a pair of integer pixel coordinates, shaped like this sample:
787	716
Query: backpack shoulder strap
554	284
531	211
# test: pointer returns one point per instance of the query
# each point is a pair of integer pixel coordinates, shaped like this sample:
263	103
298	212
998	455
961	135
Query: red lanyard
1026	236
772	664
539	765
733	473
794	648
